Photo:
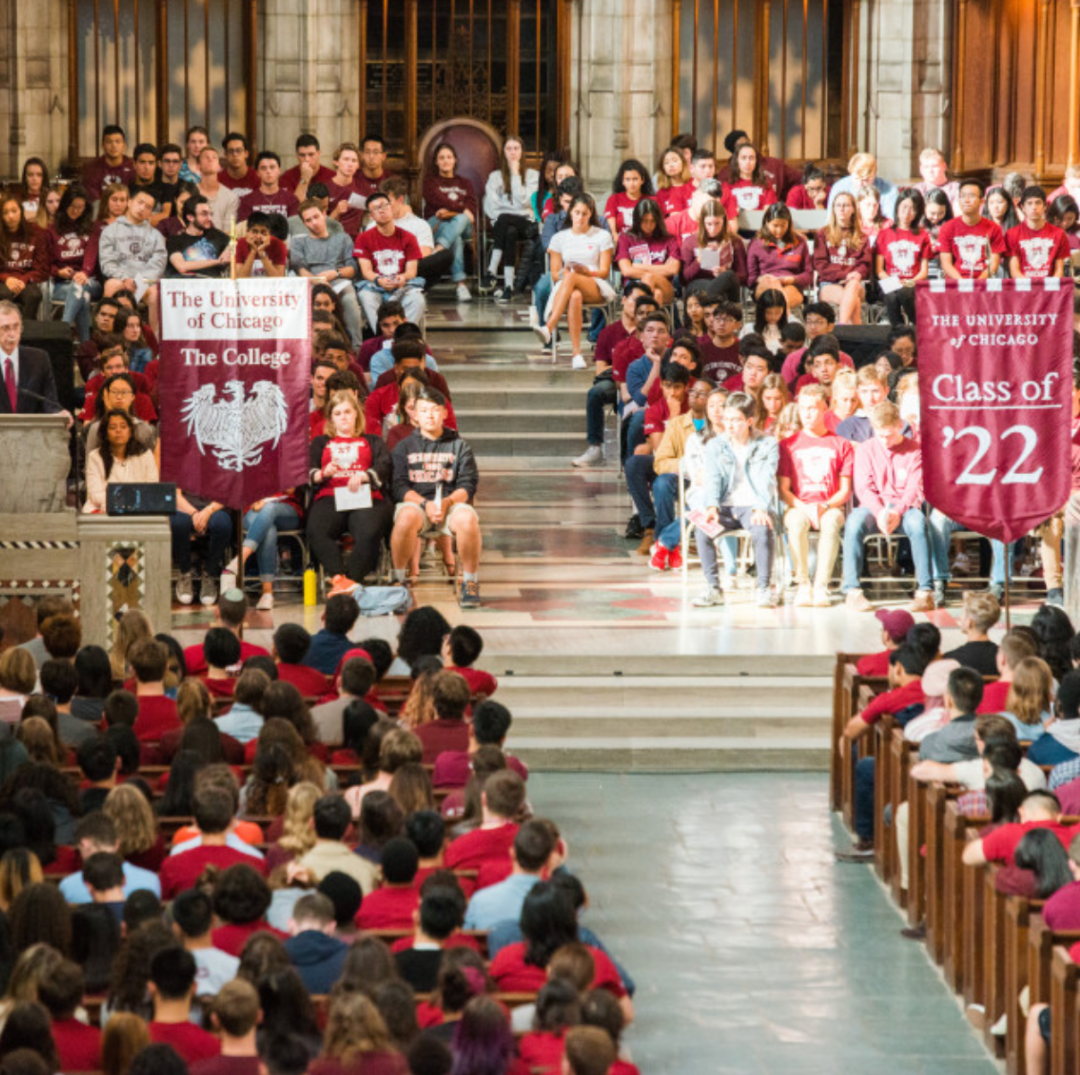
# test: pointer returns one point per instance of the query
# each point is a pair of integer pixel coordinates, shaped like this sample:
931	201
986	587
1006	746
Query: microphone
40	398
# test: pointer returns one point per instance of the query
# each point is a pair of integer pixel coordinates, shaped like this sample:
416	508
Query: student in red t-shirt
291	644
388	257
558	1008
221	652
78	1046
1035	248
1039	810
229	613
816	469
236	175
895	624
172	989
396	901
149	660
902	256
235	1015
632	183
460	651
674	186
213	809
501	800
971	245
308	169
1012	649
748	188
259	253
347	201
449	731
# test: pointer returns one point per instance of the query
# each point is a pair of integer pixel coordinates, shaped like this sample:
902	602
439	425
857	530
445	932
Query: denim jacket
761	465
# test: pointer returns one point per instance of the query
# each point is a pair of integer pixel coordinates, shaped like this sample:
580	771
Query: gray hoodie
129	251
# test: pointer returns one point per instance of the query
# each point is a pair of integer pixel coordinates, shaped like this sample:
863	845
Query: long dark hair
632	165
918	204
1053	632
83	224
22	233
133	448
734	175
581	199
766	301
176	801
548	921
1005	791
439	147
24	190
650	207
1010	219
1042	852
1062	204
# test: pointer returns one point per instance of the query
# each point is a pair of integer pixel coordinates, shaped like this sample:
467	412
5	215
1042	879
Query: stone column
620	85
906	82
308	74
33	83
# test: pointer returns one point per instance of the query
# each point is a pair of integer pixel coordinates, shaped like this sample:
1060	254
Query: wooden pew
1020	913
846	682
880	738
1064	1018
937	797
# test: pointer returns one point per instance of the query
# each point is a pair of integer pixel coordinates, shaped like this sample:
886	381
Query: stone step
560	725
501	399
492	448
523	420
687	754
514	668
513	376
660	694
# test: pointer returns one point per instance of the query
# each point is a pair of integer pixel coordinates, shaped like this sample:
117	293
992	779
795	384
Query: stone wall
620	84
905	82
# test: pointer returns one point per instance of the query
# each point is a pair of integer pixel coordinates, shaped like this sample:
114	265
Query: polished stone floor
754	952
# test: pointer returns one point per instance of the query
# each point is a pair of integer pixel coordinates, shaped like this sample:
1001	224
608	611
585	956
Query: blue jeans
639	477
861	522
262	534
864	798
602	395
77	299
941	529
730	519
541	293
665	493
452	234
218	532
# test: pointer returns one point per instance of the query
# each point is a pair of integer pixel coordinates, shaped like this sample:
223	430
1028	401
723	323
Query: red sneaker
674	559
659	561
340	584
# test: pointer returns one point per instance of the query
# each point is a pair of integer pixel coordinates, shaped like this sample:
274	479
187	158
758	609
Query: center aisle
754	952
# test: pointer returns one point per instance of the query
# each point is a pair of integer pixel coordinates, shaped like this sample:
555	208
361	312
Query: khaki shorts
430	528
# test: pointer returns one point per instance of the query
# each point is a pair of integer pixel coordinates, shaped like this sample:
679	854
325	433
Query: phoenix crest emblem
237	427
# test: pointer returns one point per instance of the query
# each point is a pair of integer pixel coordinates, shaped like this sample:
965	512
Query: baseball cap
896	622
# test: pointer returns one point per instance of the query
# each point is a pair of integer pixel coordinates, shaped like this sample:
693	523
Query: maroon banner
995	393
235	387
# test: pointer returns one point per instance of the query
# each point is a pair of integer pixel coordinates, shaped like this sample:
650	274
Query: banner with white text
995	392
235	386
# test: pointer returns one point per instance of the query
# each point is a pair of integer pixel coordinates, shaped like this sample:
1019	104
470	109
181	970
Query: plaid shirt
1063	773
973	804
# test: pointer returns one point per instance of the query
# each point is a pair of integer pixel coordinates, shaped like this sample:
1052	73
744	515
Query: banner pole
240	567
1008	572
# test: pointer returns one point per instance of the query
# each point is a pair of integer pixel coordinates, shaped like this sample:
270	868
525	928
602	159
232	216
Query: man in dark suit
26	378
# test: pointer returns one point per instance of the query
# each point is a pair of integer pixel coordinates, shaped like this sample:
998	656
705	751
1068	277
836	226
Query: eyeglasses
699	394
121	393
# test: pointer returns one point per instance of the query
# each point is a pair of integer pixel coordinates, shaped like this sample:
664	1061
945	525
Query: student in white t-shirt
580	254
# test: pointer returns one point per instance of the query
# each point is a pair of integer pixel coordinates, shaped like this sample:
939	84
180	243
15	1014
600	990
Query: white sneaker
822	598
804	596
543	334
593	456
463	293
185	594
579	363
208	591
708	598
266	603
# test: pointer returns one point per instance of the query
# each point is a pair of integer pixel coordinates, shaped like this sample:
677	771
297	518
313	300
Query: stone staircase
610	712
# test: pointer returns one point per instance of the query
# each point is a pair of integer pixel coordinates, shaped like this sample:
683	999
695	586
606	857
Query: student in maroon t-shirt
112	167
460	651
648	253
235	1014
842	260
271	197
1036	249
308	169
236	175
393	905
501	799
347	200
149	660
25	253
450	207
1012	649
291	643
489	727
172	990
720	357
372	159
449	731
